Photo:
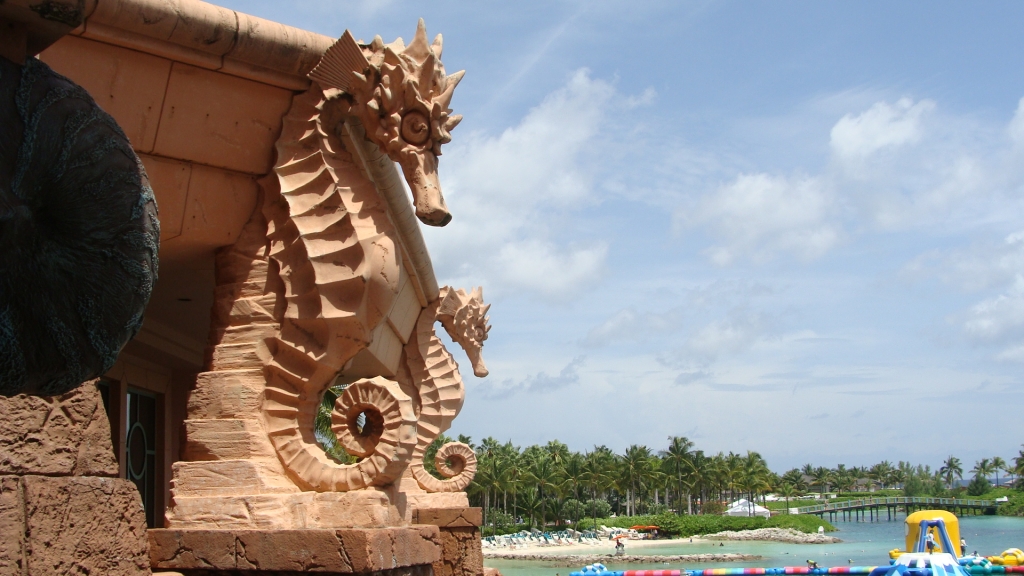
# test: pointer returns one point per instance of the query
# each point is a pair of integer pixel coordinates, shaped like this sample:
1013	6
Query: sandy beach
775	535
606	547
575	560
603	547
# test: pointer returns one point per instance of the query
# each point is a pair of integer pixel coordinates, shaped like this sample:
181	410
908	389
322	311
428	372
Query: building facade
291	261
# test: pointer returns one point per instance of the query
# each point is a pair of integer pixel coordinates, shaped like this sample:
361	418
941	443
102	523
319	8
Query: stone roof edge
188	31
208	36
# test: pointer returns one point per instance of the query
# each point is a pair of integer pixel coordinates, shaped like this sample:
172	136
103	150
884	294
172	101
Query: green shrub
802	522
1014	506
574	509
713	508
656	509
496	531
978	486
697	525
599	508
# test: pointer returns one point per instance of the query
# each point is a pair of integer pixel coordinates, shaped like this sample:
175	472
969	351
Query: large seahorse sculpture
335	268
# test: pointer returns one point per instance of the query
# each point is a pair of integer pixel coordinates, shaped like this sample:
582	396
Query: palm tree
998	465
822	476
950	468
677	460
572	477
845	482
467	440
1010	468
636	464
322	428
531	505
787	491
557	451
881	473
982	468
701	474
753	476
794	478
897	477
557	508
596	477
545	477
1018	464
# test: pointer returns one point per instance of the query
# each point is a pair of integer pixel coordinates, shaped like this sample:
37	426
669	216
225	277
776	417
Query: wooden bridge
870	509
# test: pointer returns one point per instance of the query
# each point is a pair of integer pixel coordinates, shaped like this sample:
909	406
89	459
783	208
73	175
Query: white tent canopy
744	507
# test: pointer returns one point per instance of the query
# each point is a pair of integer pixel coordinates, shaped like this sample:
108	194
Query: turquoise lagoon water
866	543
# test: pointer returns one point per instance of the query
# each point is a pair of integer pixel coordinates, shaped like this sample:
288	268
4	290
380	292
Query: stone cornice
187	31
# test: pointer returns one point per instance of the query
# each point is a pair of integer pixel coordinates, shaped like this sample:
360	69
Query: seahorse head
464	317
402	95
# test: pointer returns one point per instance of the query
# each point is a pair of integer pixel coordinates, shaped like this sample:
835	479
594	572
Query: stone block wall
396	550
461	553
63	508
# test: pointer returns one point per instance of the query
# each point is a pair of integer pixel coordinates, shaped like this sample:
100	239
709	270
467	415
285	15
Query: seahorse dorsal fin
450	304
337	65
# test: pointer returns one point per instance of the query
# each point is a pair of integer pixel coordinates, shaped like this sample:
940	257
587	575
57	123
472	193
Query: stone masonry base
461	553
339	551
63	509
419	570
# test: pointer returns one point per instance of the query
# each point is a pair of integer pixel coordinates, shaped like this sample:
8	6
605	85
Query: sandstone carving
437	378
63	510
78	234
402	95
337	260
387	437
324	288
66	435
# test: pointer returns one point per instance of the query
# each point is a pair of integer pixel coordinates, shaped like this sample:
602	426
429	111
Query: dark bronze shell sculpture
79	234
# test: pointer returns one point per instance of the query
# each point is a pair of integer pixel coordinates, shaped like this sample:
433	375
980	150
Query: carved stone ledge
417	570
250	552
461	554
449	517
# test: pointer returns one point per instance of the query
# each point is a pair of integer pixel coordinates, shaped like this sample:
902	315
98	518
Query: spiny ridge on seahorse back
338	276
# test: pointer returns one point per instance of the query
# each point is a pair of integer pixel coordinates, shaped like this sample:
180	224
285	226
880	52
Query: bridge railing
892	501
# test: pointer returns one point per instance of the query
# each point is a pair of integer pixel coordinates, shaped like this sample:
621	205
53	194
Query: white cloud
552	271
893	167
880	127
512	195
981	266
630	324
1016	127
738	332
993	267
705	345
758	215
536	383
999	318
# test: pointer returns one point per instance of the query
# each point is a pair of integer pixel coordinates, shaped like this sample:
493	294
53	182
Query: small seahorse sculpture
437	378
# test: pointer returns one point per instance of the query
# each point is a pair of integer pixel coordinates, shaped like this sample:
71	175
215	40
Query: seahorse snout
420	171
479	368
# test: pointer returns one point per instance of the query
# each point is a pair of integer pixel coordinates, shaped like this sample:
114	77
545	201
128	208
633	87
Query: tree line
550	484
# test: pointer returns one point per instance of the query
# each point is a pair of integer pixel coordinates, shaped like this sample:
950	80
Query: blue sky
790	227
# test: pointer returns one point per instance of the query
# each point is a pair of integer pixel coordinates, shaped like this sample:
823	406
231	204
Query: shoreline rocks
787	535
576	560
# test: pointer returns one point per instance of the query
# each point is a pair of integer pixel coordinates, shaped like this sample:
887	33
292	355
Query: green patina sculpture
79	234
